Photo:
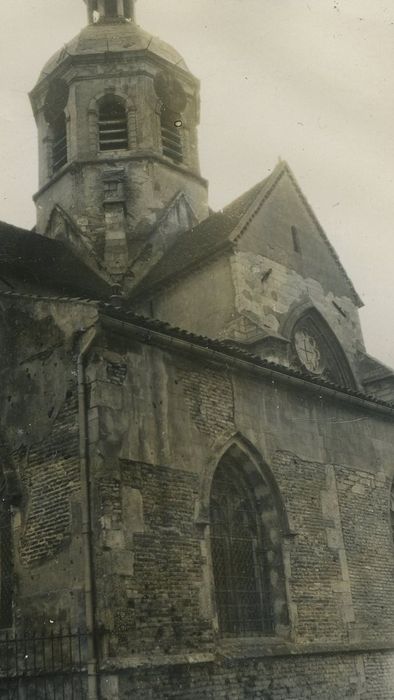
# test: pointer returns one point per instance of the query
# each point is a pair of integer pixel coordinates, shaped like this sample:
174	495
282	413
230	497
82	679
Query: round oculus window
308	351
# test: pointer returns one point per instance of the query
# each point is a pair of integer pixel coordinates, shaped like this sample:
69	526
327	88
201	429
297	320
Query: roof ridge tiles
158	326
48	298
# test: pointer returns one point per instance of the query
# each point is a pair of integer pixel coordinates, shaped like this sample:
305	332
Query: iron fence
43	666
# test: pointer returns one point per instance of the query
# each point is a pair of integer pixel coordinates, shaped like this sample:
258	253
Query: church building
197	448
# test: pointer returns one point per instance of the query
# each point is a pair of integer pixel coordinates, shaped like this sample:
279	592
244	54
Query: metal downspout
87	529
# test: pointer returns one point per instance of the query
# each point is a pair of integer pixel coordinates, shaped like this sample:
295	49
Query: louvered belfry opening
59	142
238	556
113	124
171	124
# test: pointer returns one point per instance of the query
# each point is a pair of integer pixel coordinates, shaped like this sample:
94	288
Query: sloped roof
113	37
221	230
204	240
41	261
372	370
217	350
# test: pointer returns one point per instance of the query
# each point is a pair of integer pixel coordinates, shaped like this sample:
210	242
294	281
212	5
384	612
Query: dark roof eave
150	329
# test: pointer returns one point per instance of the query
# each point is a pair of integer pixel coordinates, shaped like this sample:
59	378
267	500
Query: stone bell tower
117	112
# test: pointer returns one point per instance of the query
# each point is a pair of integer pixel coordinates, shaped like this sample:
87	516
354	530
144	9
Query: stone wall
357	676
159	422
169	419
40	419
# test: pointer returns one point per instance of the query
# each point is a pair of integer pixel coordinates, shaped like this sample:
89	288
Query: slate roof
40	261
221	230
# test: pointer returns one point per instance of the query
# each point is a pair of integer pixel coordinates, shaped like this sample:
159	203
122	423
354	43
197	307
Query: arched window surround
94	116
112	123
239	455
339	368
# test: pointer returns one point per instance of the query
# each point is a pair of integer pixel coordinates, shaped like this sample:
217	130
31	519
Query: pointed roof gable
197	244
173	221
223	230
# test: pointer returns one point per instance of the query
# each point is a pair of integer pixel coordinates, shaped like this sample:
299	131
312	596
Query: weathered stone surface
120	437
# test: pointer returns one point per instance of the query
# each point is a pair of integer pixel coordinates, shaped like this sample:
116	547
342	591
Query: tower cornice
78	165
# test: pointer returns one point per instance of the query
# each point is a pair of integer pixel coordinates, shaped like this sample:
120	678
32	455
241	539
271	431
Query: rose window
308	351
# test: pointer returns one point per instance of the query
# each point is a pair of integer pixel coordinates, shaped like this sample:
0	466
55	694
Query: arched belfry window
239	555
171	136
54	112
59	142
112	116
172	104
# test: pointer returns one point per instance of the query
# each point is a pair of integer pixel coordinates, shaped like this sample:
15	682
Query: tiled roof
219	348
221	230
49	264
204	240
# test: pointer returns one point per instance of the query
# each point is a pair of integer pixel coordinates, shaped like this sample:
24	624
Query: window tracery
238	556
317	351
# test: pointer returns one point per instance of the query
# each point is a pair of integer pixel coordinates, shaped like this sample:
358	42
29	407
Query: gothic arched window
240	570
171	123
59	141
113	132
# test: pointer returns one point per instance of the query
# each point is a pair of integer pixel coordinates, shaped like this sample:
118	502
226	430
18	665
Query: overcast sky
310	81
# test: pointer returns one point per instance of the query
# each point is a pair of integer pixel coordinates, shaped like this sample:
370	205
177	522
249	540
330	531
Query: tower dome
117	112
114	37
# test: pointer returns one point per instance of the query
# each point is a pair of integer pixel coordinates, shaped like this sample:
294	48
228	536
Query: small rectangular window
296	239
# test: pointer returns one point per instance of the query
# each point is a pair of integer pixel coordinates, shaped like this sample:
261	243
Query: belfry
117	112
196	472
